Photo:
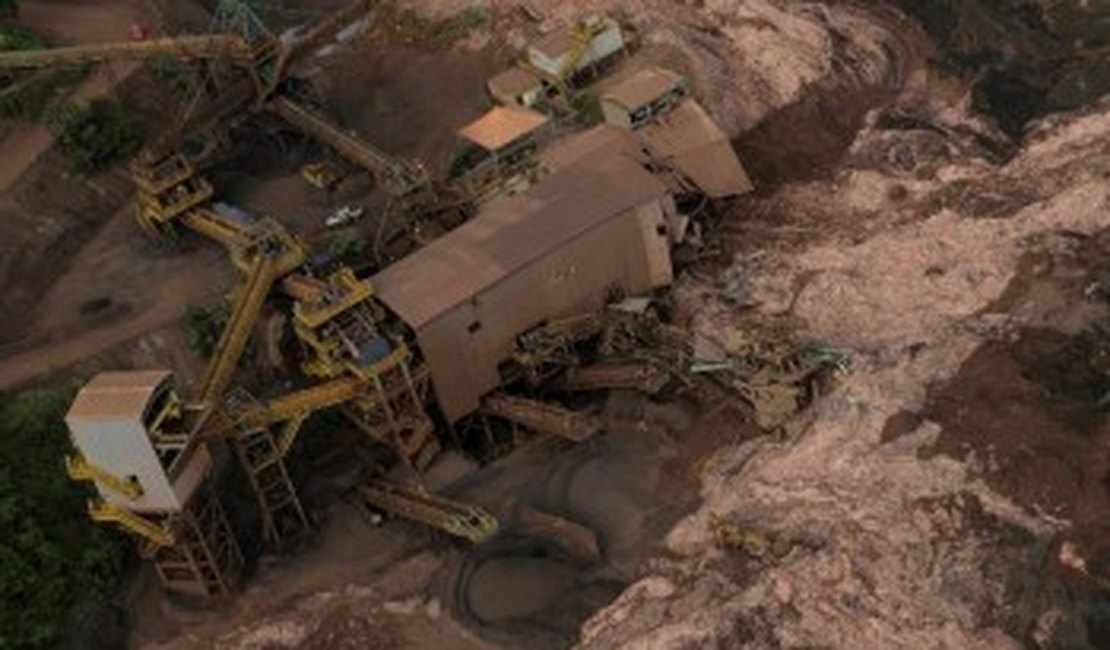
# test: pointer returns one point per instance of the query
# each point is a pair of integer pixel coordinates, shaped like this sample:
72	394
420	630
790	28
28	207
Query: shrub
203	326
94	134
14	37
51	554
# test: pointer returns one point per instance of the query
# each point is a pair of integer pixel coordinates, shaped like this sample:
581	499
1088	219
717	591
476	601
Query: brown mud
1030	412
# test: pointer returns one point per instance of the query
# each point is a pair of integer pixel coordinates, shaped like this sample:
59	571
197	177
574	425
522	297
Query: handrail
100	510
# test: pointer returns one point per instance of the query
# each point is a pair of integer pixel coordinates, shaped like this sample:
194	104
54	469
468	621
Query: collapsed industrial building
561	226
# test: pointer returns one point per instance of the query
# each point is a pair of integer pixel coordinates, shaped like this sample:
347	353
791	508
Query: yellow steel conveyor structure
401	176
208	46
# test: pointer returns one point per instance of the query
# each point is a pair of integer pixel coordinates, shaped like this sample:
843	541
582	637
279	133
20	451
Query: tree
94	134
203	327
9	9
51	554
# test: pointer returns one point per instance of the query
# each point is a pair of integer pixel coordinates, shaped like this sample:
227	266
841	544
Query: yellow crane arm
216	46
314	398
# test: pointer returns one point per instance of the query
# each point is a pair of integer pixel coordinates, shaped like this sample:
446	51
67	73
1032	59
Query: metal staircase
262	454
205	559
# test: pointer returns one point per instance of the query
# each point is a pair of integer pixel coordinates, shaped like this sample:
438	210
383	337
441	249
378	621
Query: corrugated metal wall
465	346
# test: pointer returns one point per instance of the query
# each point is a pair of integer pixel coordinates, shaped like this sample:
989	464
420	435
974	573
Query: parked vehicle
344	216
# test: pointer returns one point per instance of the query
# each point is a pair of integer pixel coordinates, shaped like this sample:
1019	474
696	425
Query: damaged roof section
676	132
689	141
511	233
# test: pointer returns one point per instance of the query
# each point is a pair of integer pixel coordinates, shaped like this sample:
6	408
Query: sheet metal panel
688	139
465	345
511	234
122	395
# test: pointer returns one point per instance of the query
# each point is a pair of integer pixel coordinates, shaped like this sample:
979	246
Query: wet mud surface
1028	58
523	590
1028	412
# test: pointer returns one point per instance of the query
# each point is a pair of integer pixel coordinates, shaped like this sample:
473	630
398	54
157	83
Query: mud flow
620	493
1029	412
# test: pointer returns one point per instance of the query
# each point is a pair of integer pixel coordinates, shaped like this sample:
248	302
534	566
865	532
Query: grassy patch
29	97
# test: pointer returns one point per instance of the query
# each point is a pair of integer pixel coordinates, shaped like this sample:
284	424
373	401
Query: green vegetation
586	111
14	37
51	554
29	97
26	95
94	134
415	28
203	326
174	72
348	251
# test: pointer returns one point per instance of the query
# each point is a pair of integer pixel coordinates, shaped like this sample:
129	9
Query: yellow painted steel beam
459	519
80	469
288	434
311	399
353	291
102	511
216	46
219	228
171	410
238	329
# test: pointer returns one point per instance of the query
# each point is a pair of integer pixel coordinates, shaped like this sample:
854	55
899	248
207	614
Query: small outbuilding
516	86
642	97
115	424
505	130
574	48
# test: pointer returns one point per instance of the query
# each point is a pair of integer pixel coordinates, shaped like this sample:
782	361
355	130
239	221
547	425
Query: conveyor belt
216	46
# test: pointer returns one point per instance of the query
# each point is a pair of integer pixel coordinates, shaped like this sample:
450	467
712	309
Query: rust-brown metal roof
117	395
689	140
509	234
645	86
603	139
513	82
502	125
557	43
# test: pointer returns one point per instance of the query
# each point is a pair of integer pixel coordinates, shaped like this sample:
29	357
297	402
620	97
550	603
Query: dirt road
63	23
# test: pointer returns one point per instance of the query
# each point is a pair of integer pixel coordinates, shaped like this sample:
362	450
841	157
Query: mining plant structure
566	234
